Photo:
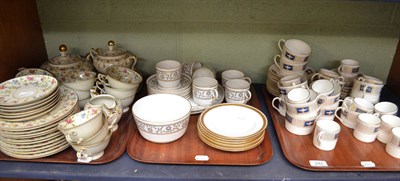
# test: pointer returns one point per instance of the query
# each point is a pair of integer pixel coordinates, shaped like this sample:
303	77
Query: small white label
318	163
368	164
201	158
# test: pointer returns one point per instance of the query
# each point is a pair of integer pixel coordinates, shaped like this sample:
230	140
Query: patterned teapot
102	59
66	64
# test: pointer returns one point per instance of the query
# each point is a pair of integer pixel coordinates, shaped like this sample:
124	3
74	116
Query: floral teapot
102	59
66	64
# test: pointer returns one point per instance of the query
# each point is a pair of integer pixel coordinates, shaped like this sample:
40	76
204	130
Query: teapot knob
63	49
111	45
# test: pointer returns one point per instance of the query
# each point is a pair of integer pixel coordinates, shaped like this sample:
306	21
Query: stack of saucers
232	127
272	80
169	80
38	137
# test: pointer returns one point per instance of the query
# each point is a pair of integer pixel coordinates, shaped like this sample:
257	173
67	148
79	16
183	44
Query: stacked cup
387	111
237	86
349	70
350	110
293	58
88	132
80	82
367	87
331	89
393	145
302	110
326	134
120	82
285	85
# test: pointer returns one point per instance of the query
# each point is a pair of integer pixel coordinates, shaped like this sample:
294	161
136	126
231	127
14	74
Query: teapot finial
111	45
63	49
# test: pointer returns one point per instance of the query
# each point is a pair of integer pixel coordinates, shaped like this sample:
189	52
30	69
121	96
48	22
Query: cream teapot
66	64
102	59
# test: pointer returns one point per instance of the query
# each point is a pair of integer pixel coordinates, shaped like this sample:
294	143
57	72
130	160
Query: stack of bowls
162	118
120	82
80	82
169	80
88	132
38	137
242	128
367	87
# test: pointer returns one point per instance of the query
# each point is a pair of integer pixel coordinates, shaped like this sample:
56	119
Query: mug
328	111
388	123
237	91
358	105
326	135
347	117
366	128
307	109
348	67
204	90
393	146
294	50
284	90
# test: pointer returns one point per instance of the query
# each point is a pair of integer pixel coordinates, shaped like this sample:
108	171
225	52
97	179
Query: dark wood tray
347	155
114	150
185	149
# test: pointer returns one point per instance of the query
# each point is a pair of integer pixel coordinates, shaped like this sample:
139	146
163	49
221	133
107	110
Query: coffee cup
169	73
233	74
307	109
120	78
328	111
300	125
323	87
284	90
326	135
388	123
393	146
347	117
294	50
287	65
205	90
237	91
358	105
290	80
335	96
349	67
385	108
298	96
366	128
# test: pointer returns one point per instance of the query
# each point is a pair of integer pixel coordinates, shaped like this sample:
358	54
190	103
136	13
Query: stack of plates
184	89
272	80
232	127
38	137
27	97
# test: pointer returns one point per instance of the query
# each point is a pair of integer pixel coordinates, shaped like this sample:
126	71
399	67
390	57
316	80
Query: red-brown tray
185	149
114	150
347	155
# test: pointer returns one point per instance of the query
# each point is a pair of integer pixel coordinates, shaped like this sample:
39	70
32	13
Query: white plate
234	120
152	86
26	89
67	104
196	109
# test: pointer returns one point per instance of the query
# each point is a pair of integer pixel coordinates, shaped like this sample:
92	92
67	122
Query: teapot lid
112	50
64	58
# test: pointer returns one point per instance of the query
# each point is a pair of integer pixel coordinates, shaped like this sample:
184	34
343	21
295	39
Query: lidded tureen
104	58
66	64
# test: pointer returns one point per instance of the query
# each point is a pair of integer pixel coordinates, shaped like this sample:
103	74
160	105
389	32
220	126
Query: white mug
388	123
349	67
294	50
347	117
326	135
366	128
393	146
307	109
169	73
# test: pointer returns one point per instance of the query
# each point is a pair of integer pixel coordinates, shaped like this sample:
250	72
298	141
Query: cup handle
276	61
315	75
340	78
339	69
134	61
347	99
281	42
336	113
273	103
362	79
319	136
247	95
247	79
323	103
102	78
112	120
69	139
215	94
99	85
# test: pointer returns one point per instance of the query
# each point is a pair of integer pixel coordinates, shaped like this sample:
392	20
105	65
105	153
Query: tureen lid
112	50
64	59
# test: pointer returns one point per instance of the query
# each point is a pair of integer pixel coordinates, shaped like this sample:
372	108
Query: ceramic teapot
102	59
66	64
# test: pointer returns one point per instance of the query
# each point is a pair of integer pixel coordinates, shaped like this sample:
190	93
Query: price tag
368	164
318	163
201	158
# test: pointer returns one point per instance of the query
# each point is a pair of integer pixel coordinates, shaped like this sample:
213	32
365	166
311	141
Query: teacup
188	68
88	153
98	137
169	73
385	108
284	90
237	91
393	146
117	93
366	128
347	117
307	109
326	135
335	96
111	107
327	74
120	78
294	50
358	105
349	67
203	72
370	79
328	111
204	90
388	123
82	81
323	87
233	74
281	108
298	96
290	80
82	125
300	125
285	64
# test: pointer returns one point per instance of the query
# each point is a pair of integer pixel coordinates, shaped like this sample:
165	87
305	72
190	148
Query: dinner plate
40	149
26	89
25	136
234	120
35	140
196	109
38	155
68	103
33	145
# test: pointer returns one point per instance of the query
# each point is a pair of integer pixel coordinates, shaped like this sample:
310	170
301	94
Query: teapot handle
134	61
90	56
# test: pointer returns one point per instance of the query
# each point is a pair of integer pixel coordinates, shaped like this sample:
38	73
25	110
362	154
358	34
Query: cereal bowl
158	121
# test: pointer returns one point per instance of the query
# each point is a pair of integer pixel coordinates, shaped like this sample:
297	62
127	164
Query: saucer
154	88
196	109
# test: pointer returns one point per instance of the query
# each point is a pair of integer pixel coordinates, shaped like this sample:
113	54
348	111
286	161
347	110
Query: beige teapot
102	59
66	64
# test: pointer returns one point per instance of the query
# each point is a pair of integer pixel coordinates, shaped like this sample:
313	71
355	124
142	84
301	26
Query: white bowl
162	118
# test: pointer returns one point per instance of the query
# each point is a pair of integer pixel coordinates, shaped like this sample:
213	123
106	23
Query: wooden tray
114	150
347	155
185	149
